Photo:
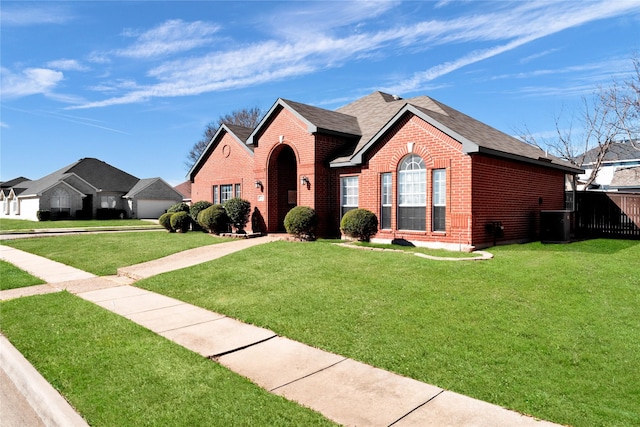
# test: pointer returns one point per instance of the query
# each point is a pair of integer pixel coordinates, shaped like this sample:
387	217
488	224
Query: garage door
152	209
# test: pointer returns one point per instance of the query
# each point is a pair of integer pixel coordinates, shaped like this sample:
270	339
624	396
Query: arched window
60	200
412	194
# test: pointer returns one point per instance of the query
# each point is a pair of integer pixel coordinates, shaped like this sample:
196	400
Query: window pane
412	182
439	200
215	195
385	220
237	190
226	192
350	191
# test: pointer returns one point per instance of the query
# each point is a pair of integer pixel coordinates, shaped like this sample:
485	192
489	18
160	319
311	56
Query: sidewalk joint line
416	408
224	353
308	375
192	324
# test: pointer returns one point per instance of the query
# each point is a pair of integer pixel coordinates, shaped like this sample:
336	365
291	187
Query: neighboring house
80	189
184	189
626	179
432	175
621	155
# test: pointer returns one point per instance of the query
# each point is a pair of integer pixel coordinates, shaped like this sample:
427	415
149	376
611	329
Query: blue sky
135	83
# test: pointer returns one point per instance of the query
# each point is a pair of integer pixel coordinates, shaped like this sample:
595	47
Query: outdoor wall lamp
258	183
304	180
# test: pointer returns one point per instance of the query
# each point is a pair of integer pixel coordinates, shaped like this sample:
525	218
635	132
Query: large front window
349	196
60	200
412	194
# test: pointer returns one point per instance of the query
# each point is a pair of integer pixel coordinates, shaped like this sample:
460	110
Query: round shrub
359	224
214	219
238	210
195	209
301	222
179	207
180	221
165	220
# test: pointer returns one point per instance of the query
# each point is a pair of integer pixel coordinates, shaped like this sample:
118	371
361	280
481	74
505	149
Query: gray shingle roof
618	151
96	172
326	121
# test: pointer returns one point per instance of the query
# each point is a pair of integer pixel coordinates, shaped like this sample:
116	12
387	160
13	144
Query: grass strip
103	254
116	373
547	330
13	277
7	224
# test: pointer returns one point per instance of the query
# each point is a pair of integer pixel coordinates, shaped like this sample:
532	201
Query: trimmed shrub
359	224
214	219
301	222
195	209
181	221
44	215
179	207
238	210
165	221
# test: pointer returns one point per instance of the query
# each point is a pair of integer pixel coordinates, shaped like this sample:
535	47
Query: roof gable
239	133
317	120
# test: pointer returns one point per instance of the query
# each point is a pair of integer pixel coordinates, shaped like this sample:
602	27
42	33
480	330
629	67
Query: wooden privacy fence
614	215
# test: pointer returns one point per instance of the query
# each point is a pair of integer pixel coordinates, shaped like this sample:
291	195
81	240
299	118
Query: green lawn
548	330
103	254
7	224
13	277
116	373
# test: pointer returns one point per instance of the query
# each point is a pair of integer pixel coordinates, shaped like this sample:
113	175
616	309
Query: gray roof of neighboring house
618	151
626	177
142	184
96	172
15	182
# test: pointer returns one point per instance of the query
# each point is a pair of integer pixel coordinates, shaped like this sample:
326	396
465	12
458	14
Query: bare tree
612	114
247	117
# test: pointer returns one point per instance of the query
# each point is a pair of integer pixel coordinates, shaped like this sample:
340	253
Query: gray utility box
555	226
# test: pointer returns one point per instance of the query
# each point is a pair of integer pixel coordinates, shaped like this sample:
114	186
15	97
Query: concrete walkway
345	391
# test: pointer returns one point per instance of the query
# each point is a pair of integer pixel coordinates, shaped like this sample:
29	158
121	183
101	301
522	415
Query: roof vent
396	97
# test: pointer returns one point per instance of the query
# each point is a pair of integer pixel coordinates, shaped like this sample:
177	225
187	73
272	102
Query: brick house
432	175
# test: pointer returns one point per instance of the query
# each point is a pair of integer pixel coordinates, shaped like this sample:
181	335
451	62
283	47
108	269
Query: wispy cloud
28	13
169	37
3	125
329	45
67	65
29	81
84	121
537	55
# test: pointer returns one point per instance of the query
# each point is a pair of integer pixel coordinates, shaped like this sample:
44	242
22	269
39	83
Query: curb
48	404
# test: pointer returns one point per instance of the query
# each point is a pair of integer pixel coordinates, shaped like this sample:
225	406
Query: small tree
214	219
238	210
196	208
301	222
360	224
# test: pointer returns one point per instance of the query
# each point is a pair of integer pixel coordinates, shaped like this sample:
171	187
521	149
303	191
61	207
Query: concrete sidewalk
344	390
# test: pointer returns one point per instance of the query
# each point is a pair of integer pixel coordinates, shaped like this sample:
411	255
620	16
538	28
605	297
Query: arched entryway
283	184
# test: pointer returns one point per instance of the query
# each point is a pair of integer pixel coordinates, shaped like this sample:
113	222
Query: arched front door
283	180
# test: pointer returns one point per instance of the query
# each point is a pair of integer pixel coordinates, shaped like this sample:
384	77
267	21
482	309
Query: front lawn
9	224
116	373
103	254
547	330
13	277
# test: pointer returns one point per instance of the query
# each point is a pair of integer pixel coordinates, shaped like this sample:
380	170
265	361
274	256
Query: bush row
301	221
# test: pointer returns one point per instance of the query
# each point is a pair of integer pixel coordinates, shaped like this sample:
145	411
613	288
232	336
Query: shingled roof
95	172
377	112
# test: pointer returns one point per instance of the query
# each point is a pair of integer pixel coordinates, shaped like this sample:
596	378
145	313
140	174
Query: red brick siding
228	163
438	151
511	192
